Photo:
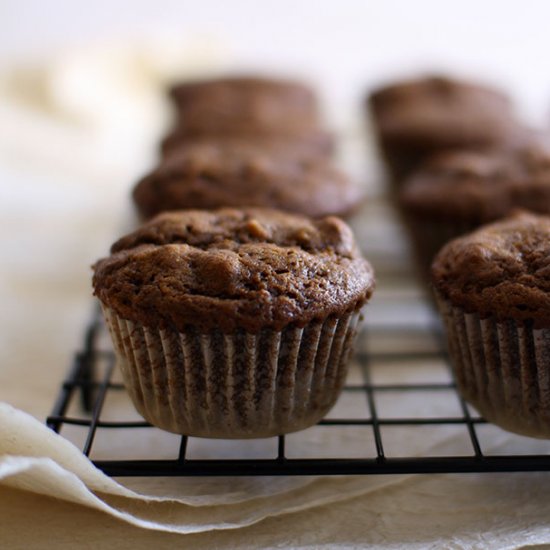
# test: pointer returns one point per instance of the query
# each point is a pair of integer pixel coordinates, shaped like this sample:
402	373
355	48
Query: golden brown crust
236	174
231	269
500	270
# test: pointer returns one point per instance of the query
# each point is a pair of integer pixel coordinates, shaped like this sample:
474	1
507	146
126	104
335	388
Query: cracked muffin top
237	174
244	105
500	270
440	111
481	186
228	269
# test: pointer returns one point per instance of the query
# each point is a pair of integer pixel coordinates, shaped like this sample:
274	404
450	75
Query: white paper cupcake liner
240	385
501	368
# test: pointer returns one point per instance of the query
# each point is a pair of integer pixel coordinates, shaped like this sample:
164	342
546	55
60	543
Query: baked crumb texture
502	270
226	269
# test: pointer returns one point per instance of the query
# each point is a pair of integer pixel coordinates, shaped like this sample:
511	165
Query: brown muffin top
440	111
236	174
500	270
481	186
229	269
244	104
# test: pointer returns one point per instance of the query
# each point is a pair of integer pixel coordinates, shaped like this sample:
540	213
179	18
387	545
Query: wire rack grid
91	380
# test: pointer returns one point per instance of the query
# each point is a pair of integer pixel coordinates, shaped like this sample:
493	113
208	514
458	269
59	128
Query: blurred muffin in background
238	173
417	118
248	107
457	191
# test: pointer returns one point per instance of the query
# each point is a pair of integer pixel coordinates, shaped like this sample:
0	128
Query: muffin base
234	386
502	368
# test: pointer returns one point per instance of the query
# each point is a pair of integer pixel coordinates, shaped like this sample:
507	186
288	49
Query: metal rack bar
321	466
365	363
97	408
183	449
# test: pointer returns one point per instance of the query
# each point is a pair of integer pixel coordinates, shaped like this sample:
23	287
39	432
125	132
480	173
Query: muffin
234	323
493	290
244	105
417	118
457	191
230	173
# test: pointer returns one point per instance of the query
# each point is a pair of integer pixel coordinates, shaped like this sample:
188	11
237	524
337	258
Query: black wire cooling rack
90	381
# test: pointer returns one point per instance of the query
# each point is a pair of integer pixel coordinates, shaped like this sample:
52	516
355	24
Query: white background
343	44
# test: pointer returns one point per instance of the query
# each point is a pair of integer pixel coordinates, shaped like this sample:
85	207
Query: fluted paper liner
502	368
239	385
